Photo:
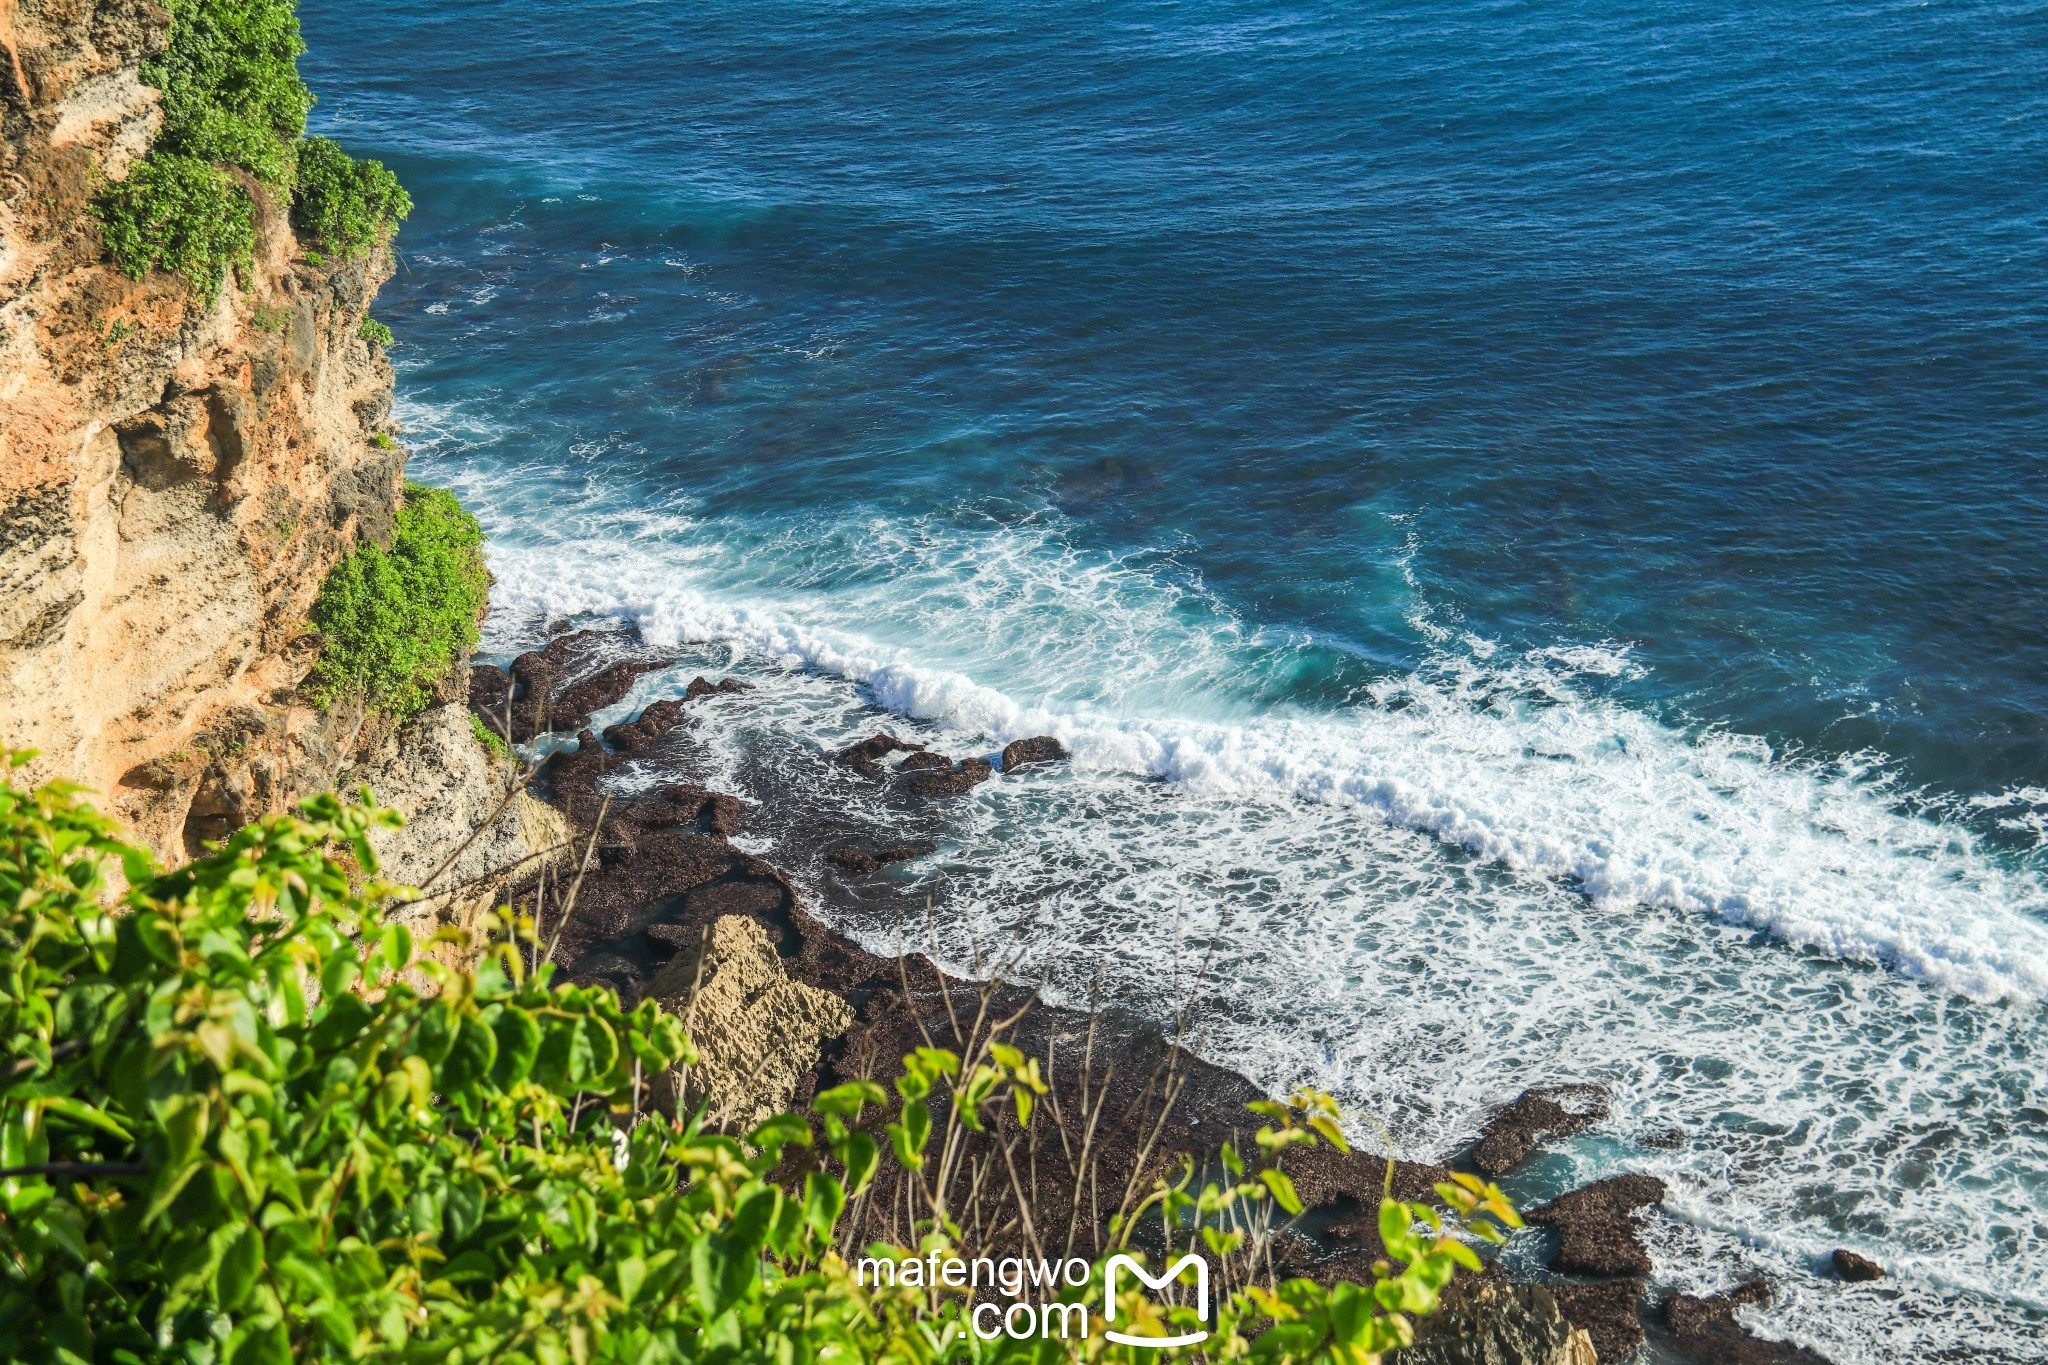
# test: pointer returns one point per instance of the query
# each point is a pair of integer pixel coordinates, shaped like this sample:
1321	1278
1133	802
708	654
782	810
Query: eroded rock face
448	786
1498	1324
758	1033
175	478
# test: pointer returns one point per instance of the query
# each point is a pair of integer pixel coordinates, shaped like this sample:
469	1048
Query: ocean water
1529	516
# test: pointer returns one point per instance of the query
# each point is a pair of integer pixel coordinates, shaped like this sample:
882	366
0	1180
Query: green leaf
518	1039
1282	1188
471	1054
846	1100
824	1201
240	1263
1396	1234
860	1156
632	1273
265	1343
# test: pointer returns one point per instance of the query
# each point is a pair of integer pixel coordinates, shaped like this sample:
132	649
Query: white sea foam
1504	757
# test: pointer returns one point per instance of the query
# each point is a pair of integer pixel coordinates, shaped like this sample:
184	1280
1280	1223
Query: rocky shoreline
667	906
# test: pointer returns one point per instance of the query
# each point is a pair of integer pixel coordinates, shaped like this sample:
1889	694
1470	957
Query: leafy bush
346	205
180	214
396	620
232	98
375	332
230	1132
231	87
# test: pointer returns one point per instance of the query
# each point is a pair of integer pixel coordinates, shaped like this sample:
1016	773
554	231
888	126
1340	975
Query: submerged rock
864	860
1538	1115
1497	1324
1038	749
1597	1226
758	1033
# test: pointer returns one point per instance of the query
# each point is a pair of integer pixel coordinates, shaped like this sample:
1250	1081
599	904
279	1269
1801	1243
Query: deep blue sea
1529	515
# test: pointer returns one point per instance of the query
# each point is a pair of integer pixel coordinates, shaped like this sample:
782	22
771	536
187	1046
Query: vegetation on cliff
344	204
231	1131
234	118
395	623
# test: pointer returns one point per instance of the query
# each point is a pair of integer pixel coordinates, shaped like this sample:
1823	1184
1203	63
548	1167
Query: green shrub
180	214
345	205
232	98
231	87
493	742
230	1133
376	333
396	620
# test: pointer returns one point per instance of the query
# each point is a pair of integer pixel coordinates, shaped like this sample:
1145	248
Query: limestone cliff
175	477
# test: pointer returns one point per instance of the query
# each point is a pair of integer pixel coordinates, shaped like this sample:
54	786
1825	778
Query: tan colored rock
175	478
1493	1323
757	1032
437	775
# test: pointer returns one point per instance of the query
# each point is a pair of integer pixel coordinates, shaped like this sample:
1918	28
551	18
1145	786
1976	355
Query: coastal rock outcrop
1854	1269
758	1033
1706	1329
1607	1311
176	476
471	832
1538	1115
1596	1226
1019	753
560	686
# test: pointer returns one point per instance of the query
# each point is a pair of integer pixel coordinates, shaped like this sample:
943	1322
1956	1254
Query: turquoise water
1528	517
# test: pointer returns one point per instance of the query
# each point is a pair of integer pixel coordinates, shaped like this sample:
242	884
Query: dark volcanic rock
575	704
1484	1322
949	782
1597	1231
1855	1269
1037	749
1706	1330
641	734
866	757
922	761
863	860
855	860
560	686
703	687
491	696
1537	1116
1608	1313
1323	1175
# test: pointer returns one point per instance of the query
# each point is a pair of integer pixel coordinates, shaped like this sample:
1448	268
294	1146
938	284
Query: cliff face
175	478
